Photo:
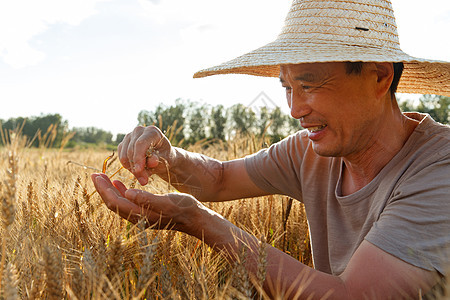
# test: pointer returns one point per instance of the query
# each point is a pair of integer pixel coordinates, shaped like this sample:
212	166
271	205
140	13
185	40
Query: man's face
340	110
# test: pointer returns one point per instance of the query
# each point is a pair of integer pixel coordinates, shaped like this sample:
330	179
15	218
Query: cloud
154	1
422	28
209	29
229	13
22	20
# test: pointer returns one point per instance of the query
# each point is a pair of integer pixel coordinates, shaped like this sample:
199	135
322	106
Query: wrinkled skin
133	153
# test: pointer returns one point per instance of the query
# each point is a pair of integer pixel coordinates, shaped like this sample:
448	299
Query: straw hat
340	30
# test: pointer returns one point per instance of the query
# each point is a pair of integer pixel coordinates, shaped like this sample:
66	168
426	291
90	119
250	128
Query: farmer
374	181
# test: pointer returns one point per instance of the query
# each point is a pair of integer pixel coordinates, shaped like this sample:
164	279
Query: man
374	181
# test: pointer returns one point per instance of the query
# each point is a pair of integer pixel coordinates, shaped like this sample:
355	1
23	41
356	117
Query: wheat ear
54	272
8	201
11	280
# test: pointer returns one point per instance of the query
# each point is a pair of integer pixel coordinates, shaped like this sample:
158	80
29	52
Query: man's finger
144	199
140	152
148	139
120	187
122	152
102	183
114	200
153	161
137	132
155	207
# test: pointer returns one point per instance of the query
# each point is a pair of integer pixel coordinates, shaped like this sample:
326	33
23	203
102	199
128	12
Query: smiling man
374	181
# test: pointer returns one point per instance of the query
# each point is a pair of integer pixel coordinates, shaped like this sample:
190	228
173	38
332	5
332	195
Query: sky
100	62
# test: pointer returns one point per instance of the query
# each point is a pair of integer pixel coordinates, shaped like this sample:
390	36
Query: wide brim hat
338	31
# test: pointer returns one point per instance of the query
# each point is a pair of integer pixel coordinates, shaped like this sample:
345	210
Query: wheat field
60	242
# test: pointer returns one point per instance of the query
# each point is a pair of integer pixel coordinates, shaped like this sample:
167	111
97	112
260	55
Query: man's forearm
285	276
193	173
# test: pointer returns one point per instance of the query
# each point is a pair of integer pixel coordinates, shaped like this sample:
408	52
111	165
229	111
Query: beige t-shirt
404	210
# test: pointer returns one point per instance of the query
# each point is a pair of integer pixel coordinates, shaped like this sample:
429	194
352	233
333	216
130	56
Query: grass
59	241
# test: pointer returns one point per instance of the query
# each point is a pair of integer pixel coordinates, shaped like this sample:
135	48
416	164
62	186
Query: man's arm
210	180
377	274
146	151
370	274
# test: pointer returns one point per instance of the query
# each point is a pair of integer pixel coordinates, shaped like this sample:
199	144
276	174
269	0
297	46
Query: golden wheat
65	244
60	241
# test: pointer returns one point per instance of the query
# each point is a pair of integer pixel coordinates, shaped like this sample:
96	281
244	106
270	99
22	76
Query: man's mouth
316	128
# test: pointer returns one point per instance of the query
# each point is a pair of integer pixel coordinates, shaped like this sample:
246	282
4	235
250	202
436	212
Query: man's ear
385	75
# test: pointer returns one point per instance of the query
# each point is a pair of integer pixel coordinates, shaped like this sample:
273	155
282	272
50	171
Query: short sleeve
415	224
276	169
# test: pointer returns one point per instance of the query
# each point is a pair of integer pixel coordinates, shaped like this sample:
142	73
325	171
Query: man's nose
299	107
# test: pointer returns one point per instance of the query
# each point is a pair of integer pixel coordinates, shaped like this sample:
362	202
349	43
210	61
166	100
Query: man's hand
144	152
171	211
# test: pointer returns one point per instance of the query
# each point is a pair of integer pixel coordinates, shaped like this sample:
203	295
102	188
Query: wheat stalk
146	274
262	263
8	201
11	281
241	280
52	262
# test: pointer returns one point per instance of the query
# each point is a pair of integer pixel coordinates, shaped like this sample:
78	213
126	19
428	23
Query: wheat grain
36	287
115	261
10	284
165	282
52	262
241	276
9	192
262	262
78	286
146	274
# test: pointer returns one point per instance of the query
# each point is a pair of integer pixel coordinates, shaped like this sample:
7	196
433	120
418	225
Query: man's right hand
146	151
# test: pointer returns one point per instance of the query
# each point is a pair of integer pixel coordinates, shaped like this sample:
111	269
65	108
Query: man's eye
287	88
306	87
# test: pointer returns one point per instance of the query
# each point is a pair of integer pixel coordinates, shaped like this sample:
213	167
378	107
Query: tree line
438	107
187	122
52	131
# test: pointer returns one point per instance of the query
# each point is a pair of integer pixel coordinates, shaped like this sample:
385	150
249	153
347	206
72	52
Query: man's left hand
170	211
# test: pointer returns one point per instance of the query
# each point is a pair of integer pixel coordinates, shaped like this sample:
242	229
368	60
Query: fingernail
130	194
141	180
99	179
153	161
